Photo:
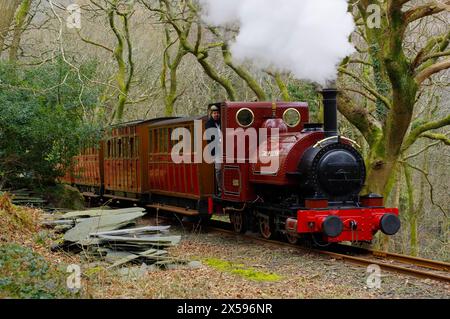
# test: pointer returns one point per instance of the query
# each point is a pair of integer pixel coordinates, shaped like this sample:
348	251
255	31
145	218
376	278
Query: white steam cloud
306	37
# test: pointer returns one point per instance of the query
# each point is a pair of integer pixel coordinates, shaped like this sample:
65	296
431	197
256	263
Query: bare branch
434	136
426	175
423	11
414	135
367	96
442	41
370	89
433	69
359	117
94	43
421	151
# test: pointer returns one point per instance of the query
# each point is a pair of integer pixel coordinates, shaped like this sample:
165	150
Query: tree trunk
282	87
412	212
413	240
380	173
170	69
21	15
7	10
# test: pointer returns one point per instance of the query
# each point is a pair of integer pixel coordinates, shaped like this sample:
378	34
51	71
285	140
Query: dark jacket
212	124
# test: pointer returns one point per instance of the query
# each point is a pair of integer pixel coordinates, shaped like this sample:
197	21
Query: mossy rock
242	271
64	196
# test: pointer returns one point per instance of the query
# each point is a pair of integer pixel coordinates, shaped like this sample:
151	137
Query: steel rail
378	257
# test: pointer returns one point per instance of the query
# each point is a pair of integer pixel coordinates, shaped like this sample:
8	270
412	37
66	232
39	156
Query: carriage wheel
238	221
266	227
292	238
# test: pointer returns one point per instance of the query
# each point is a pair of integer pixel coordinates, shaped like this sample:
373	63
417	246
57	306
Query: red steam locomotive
313	190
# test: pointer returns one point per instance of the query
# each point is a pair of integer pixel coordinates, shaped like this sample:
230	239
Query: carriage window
180	140
132	147
169	139
191	129
136	148
155	141
129	147
119	148
126	147
108	150
150	141
166	140
161	141
245	117
292	117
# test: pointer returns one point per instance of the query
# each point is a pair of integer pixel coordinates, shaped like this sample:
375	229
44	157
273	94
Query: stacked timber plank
112	235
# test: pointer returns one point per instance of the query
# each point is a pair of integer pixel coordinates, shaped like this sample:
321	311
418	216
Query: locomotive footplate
336	225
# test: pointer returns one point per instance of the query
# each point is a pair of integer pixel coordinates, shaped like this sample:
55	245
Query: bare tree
123	51
7	8
201	40
20	20
392	79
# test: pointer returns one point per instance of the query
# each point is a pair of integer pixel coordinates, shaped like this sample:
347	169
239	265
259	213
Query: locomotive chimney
330	125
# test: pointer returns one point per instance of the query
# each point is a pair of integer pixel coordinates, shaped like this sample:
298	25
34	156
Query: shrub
42	121
25	274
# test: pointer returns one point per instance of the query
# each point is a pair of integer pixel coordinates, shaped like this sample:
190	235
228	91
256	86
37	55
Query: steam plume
305	37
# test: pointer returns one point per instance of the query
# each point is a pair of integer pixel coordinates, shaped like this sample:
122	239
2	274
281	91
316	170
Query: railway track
392	262
407	265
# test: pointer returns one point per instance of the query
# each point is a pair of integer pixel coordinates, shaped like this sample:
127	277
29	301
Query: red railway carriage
124	153
86	170
188	185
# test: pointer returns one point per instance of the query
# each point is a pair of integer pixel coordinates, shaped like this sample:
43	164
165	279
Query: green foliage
41	123
25	274
307	92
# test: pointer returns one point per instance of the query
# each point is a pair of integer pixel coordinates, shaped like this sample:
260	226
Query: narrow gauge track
407	265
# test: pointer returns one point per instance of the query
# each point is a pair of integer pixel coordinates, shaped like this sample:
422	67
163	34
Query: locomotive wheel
266	228
292	238
238	220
